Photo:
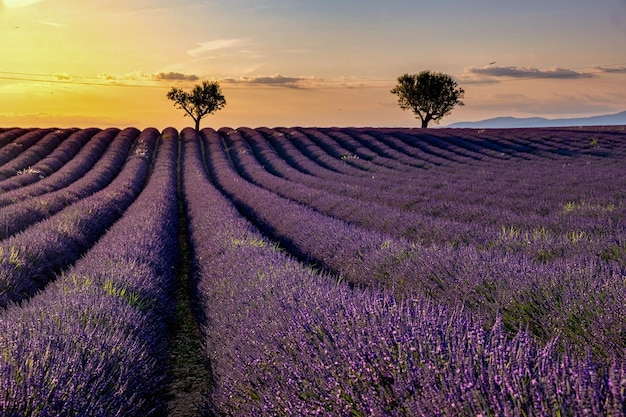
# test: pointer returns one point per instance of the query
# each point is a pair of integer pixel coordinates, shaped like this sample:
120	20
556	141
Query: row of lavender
274	325
540	208
514	270
94	341
48	244
89	171
284	339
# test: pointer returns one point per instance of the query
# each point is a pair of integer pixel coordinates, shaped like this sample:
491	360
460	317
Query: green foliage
11	257
614	253
132	298
430	95
202	100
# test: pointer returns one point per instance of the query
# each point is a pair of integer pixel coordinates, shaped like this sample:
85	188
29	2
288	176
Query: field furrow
34	169
95	342
29	260
27	212
312	271
68	172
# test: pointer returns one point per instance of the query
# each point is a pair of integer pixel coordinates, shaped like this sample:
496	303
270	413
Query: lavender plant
338	271
74	169
488	282
94	343
36	152
21	144
49	246
286	340
25	213
28	172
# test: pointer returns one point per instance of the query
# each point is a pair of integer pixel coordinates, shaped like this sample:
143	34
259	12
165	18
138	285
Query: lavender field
330	271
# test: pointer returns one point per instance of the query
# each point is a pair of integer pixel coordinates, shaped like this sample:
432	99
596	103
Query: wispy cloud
129	76
213	46
620	69
53	24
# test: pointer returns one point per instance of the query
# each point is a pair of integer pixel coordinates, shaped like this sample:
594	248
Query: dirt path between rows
190	377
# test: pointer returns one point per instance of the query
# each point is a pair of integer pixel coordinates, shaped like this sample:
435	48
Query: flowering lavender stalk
94	343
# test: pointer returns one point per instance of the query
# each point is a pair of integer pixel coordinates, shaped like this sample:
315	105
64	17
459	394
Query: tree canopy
202	100
430	95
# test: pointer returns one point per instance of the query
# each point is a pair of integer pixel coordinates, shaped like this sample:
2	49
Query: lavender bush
94	342
74	169
24	213
285	340
21	144
487	278
30	259
28	157
31	169
336	271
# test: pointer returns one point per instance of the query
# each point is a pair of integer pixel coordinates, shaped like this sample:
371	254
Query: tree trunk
197	124
426	119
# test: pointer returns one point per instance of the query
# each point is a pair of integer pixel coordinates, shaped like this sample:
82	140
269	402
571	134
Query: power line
55	79
98	81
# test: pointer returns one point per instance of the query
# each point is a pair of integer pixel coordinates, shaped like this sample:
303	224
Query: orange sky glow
297	63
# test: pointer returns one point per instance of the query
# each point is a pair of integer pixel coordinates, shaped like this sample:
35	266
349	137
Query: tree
202	100
431	95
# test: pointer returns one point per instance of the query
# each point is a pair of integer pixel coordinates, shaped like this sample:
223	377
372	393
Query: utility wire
98	81
55	79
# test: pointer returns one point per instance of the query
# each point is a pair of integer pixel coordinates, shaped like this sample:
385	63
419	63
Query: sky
305	63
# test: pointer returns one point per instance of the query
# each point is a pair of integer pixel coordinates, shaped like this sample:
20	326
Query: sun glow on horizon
75	62
19	3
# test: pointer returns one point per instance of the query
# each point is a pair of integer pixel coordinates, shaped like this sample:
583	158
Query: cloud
276	79
129	76
148	76
107	76
175	76
524	72
213	46
494	74
620	69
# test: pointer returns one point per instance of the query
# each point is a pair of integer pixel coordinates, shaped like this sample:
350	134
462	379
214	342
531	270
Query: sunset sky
303	62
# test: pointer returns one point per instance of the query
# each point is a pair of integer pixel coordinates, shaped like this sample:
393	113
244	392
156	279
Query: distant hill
513	122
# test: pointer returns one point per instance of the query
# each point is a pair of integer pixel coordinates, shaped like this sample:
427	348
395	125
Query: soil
190	370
